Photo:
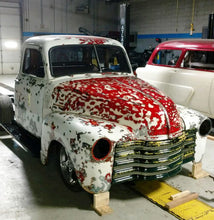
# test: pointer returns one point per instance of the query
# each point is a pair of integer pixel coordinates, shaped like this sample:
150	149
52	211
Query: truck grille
152	159
189	145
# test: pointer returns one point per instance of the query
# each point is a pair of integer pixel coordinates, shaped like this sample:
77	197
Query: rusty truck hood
128	101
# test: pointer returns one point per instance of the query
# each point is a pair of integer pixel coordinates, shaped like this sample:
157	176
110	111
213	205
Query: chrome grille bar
153	159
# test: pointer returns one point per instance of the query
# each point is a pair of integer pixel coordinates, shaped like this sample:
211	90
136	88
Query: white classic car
78	94
184	70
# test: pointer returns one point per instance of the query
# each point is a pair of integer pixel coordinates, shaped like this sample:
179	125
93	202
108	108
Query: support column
125	24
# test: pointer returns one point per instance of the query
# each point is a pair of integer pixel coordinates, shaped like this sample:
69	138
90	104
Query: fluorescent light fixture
11	44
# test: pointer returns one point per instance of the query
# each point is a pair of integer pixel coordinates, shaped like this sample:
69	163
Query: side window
167	57
198	60
33	63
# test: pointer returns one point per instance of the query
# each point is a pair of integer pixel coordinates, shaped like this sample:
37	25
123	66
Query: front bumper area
150	160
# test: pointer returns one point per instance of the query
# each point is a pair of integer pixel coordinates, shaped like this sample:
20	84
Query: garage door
10	38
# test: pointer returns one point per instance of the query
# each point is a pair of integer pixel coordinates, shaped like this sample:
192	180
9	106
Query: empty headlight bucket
205	127
101	149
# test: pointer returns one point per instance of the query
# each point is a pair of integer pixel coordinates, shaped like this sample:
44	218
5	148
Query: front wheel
67	170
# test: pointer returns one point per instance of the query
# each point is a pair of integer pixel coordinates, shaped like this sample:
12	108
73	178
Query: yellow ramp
159	192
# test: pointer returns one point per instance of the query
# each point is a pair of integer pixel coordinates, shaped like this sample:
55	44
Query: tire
67	171
6	110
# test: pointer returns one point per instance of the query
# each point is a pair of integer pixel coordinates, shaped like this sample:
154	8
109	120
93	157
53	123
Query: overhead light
11	44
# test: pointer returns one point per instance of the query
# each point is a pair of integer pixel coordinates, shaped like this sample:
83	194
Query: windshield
75	59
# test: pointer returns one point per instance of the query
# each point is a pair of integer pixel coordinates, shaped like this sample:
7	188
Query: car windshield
76	59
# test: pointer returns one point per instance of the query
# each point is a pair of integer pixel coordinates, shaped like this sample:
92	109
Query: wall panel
170	18
10	37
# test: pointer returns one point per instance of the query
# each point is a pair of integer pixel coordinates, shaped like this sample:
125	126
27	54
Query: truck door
29	87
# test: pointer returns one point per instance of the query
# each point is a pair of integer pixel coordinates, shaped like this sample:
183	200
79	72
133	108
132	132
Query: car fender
78	135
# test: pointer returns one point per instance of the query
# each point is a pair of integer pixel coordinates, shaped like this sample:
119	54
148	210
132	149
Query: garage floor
29	190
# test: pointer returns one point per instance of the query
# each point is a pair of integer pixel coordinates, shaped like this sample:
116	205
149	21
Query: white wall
60	16
150	18
157	17
167	20
10	37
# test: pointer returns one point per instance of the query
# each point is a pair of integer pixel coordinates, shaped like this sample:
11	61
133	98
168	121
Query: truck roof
56	40
188	44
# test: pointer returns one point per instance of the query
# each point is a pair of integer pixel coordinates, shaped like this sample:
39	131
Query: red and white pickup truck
78	94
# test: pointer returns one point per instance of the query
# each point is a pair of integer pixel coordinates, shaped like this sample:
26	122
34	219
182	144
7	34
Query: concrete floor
29	190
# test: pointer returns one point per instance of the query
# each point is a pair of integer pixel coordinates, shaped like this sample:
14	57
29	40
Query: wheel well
212	120
212	130
53	150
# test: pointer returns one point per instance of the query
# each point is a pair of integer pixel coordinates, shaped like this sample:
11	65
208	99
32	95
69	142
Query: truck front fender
194	119
78	135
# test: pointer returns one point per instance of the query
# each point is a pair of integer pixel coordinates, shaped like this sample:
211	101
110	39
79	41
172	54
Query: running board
24	138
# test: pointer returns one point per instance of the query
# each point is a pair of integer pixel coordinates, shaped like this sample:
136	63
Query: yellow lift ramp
186	206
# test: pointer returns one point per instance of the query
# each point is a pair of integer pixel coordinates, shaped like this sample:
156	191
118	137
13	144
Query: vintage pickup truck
78	94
